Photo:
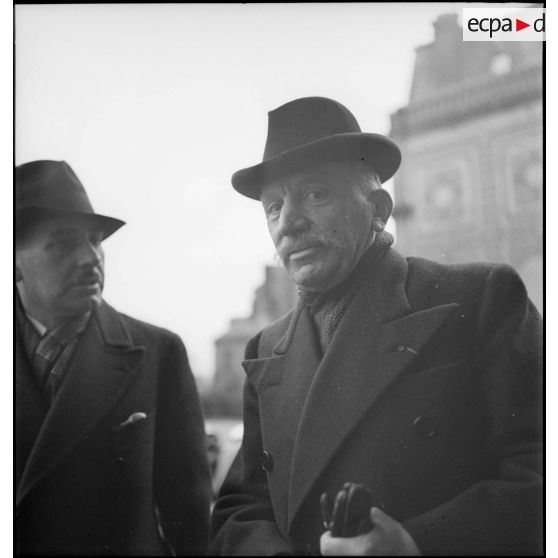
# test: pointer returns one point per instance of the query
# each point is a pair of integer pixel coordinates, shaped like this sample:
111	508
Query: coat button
424	427
267	461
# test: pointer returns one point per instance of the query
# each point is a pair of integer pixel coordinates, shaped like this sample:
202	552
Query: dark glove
349	515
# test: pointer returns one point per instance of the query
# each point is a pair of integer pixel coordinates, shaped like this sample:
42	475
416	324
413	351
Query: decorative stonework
471	139
475	99
527	179
444	197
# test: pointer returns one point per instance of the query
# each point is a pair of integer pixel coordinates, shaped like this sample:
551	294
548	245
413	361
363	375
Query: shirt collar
39	327
64	331
67	330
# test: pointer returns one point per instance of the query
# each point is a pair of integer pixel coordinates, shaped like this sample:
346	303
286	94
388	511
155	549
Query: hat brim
380	152
29	216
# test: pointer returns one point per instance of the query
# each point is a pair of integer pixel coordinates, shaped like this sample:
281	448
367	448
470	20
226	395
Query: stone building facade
470	187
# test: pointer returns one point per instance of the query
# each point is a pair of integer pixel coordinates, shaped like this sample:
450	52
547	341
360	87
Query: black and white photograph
279	279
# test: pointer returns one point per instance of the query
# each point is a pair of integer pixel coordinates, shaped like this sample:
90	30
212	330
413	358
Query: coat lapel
364	358
103	365
290	368
282	382
30	407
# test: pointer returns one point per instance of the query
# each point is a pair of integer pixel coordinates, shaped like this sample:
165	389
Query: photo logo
503	24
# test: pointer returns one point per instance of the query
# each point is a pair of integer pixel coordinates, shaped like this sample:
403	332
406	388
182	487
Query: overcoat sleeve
182	480
501	515
243	522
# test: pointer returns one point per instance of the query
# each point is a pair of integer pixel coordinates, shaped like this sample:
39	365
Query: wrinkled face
320	222
60	270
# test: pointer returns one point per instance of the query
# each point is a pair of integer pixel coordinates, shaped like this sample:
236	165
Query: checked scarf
51	353
54	351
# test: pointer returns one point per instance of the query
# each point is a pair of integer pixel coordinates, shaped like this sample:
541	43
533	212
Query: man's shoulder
264	342
422	269
138	329
456	281
146	327
464	271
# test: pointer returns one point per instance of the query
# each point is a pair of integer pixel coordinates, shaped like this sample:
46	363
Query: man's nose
293	219
90	254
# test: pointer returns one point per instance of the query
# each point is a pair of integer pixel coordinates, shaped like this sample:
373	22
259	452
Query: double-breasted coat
88	484
429	394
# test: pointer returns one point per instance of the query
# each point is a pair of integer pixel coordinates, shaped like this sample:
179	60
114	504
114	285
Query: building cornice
482	96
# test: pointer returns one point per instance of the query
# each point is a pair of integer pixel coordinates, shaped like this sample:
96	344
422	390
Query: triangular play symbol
519	25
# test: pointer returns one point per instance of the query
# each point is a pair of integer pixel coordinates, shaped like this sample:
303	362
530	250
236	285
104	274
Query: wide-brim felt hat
313	130
49	189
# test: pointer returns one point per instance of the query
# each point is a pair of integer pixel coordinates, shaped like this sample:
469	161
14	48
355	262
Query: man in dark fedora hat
110	444
396	410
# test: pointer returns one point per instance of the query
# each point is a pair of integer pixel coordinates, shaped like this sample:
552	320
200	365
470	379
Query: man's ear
383	206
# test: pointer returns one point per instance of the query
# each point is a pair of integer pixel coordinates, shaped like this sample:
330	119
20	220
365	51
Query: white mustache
309	240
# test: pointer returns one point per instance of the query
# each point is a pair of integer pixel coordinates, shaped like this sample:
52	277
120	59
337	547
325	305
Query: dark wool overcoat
88	485
429	394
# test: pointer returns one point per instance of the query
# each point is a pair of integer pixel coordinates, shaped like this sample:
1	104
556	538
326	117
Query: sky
155	106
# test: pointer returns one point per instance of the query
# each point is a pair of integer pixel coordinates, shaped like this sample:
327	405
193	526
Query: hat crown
306	120
308	132
50	185
50	189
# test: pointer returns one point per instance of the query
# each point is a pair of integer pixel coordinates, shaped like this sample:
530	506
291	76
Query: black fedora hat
47	189
313	130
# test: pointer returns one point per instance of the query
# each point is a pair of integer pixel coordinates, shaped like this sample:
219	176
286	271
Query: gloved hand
349	514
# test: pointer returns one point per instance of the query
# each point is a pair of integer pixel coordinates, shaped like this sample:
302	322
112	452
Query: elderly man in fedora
396	410
110	444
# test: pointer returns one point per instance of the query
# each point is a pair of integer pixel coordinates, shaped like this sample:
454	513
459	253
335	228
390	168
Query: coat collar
30	405
386	298
362	361
101	369
113	329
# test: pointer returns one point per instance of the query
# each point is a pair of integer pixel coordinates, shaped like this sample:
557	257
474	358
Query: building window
527	178
501	64
443	198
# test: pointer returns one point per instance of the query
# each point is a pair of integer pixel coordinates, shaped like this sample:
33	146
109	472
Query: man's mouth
90	282
304	251
89	286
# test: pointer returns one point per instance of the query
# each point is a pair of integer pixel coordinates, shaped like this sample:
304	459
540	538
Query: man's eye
316	195
96	239
66	243
273	208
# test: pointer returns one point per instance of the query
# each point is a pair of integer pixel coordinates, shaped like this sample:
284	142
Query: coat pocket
440	378
129	432
133	446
